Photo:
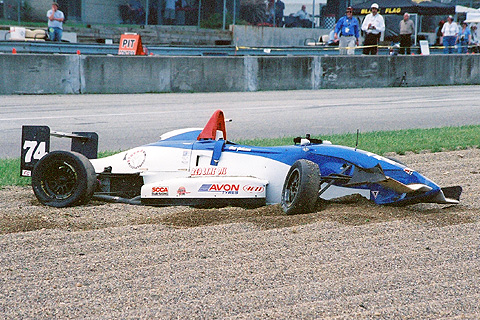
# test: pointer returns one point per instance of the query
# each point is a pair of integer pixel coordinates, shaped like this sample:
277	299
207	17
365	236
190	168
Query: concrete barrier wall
284	73
67	74
39	74
387	71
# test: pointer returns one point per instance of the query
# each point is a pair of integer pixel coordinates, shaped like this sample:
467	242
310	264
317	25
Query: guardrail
112	49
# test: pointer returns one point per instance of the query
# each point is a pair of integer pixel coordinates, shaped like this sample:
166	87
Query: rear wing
36	144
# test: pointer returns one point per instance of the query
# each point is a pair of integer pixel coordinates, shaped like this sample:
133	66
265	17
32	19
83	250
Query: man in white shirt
407	28
450	32
55	23
304	16
373	26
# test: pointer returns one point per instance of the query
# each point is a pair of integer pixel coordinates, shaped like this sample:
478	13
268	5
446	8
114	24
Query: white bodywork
176	172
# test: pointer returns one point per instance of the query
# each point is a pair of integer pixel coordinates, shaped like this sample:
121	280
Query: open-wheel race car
200	167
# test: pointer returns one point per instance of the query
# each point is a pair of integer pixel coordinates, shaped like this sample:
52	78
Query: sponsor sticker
159	191
26	173
225	188
408	171
233	148
136	159
182	191
209	171
186	157
251	189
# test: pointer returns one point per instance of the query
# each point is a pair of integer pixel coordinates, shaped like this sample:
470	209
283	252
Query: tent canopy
400	7
433	8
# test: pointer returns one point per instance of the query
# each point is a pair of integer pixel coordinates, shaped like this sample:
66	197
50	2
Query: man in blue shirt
349	30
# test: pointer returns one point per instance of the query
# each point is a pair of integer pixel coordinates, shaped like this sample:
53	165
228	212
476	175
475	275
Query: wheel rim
293	184
60	180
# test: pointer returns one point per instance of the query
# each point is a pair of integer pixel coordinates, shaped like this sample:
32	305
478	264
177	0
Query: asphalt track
129	120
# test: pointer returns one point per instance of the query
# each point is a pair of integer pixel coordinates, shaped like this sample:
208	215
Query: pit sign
130	44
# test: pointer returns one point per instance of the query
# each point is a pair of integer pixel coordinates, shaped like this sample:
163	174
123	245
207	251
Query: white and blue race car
200	167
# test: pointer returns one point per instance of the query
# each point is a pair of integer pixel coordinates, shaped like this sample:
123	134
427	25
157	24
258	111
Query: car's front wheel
62	179
300	190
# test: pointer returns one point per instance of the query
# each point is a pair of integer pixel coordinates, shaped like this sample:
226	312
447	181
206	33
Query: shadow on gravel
28	215
351	211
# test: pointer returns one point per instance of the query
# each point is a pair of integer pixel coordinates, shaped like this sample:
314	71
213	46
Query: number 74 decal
35	145
35	150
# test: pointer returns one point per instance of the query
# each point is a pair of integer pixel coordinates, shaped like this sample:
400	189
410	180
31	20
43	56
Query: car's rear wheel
62	179
300	189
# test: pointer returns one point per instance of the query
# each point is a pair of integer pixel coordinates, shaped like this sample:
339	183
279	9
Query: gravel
349	260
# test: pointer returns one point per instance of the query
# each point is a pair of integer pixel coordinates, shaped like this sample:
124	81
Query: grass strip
398	141
379	142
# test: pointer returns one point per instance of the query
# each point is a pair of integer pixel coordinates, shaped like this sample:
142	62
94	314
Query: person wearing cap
349	30
464	38
407	28
55	23
450	32
373	26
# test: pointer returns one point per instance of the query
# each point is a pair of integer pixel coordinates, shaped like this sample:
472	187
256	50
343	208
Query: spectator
438	33
475	42
449	32
464	38
270	11
331	38
349	30
136	12
279	8
55	23
373	25
305	19
407	28
169	14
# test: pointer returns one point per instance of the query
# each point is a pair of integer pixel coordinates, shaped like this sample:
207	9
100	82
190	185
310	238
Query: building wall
102	11
86	11
38	9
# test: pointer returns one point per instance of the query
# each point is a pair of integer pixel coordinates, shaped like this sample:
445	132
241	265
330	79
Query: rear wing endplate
36	144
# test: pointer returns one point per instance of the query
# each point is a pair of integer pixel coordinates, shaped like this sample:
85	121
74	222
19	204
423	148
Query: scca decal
159	191
225	188
249	188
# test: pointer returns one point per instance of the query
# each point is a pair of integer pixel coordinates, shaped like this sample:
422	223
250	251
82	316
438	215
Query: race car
200	167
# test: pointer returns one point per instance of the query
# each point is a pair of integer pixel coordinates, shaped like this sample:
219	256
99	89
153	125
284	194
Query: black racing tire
300	189
63	178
